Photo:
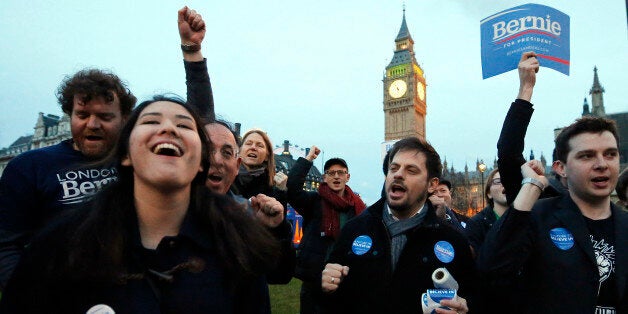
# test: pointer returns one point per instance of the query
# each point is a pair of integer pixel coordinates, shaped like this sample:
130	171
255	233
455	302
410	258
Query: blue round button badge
444	251
361	245
562	238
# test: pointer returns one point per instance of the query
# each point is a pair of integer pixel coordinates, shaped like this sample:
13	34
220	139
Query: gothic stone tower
404	90
597	99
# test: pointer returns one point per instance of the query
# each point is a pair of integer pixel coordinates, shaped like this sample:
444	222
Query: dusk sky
311	72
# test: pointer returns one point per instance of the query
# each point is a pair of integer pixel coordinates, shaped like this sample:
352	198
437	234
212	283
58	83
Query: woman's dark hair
101	247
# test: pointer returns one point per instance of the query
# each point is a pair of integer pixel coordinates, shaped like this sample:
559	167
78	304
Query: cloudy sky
311	71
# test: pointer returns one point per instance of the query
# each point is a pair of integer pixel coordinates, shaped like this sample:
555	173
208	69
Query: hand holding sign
529	27
528	67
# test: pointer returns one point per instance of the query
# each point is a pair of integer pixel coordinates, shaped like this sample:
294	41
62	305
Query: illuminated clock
420	88
397	88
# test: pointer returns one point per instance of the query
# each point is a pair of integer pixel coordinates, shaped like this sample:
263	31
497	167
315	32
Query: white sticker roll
443	279
100	309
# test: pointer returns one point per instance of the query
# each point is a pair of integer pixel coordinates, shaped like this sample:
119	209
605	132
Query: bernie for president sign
529	27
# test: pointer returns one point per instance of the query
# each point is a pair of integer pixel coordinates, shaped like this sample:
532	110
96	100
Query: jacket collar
190	230
569	214
377	211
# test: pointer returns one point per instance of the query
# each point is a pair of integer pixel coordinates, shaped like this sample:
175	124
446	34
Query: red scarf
333	204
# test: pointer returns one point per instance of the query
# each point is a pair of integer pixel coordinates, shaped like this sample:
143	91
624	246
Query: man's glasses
332	173
496	181
227	153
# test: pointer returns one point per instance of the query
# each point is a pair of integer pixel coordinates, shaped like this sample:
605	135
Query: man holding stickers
384	259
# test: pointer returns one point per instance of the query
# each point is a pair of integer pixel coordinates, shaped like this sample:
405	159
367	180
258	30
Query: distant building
598	110
49	130
467	188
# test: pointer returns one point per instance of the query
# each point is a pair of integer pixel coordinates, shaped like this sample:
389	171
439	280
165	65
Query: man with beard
384	259
40	184
324	214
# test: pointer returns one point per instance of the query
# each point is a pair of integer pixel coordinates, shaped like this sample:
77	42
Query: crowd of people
163	208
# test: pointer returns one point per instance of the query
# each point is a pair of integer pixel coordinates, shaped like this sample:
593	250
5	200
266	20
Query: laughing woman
156	241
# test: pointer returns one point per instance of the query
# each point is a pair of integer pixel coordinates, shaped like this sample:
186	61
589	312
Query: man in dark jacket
572	250
384	258
324	214
441	199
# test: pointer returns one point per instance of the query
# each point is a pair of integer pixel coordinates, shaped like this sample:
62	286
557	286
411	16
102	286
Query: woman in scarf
257	172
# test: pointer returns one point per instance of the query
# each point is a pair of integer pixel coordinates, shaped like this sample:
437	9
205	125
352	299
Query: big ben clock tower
404	90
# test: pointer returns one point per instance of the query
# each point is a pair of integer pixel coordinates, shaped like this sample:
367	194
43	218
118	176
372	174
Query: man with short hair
223	169
324	213
384	259
572	250
441	199
225	160
40	184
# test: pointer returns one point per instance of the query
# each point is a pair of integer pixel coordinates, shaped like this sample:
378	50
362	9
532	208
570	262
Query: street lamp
482	168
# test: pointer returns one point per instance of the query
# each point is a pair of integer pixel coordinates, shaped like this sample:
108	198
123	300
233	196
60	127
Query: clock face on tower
420	88
397	88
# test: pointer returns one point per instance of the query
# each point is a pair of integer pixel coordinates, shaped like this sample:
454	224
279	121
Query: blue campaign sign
529	27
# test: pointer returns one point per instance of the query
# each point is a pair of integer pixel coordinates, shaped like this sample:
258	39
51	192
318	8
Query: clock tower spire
404	90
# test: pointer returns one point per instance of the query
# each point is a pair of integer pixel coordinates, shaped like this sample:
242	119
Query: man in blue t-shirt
37	185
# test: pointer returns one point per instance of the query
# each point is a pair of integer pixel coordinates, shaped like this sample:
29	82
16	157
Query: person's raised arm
511	139
199	90
535	183
301	200
192	33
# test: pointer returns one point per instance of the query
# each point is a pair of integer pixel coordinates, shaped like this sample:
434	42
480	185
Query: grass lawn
284	299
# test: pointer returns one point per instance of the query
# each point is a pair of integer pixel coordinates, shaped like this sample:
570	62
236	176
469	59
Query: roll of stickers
443	279
430	301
